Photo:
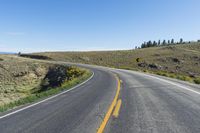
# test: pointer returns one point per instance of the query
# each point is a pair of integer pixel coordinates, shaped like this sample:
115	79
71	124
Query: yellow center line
117	108
110	110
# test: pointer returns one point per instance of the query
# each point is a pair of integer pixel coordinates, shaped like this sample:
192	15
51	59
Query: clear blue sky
71	25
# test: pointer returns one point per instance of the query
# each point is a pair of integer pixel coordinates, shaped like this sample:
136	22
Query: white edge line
164	80
169	82
19	110
176	84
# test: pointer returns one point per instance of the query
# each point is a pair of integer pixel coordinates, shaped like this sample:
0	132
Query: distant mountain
7	53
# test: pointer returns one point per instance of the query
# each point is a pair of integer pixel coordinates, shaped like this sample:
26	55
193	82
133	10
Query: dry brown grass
23	80
18	77
179	59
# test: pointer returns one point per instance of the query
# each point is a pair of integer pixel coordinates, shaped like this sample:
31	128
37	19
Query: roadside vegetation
180	60
34	56
24	81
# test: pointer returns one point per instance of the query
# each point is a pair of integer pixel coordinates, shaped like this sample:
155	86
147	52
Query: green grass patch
146	71
162	73
184	78
44	94
197	80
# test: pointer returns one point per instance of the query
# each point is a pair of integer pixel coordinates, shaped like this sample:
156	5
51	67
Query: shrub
73	72
163	73
159	73
185	78
172	75
146	71
35	56
57	75
54	77
197	80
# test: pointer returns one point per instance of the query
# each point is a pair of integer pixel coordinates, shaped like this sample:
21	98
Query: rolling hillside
177	61
25	80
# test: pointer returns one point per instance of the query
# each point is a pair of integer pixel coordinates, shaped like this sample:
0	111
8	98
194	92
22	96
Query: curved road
149	104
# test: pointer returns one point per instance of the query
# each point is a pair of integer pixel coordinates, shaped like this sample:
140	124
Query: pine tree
154	43
149	44
164	42
19	54
172	41
143	45
181	40
158	42
168	42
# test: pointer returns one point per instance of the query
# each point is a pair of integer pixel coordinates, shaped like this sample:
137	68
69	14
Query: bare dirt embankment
21	78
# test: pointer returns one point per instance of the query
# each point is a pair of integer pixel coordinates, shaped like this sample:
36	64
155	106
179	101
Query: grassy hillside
177	61
18	77
25	80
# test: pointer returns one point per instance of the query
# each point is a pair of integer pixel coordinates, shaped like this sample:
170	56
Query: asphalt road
150	104
156	105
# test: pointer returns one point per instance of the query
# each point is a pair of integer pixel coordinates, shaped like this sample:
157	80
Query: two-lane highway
77	111
146	104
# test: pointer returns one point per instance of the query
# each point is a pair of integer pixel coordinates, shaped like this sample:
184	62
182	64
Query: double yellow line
115	104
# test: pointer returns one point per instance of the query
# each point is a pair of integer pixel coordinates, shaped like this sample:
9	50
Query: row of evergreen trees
162	43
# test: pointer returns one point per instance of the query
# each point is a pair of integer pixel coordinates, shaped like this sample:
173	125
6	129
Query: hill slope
176	60
18	77
25	80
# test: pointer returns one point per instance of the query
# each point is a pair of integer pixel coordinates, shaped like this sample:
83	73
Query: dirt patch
155	66
174	60
143	64
151	66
